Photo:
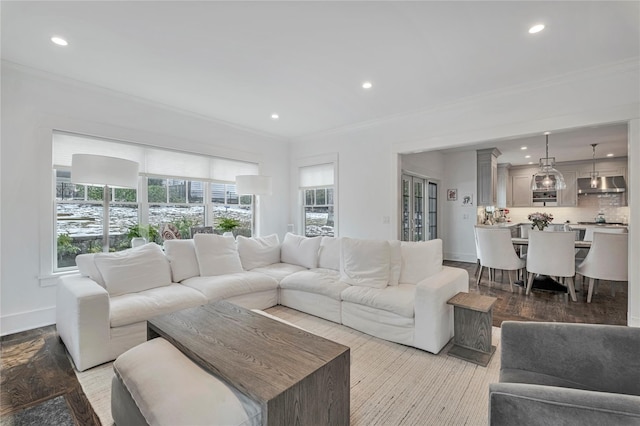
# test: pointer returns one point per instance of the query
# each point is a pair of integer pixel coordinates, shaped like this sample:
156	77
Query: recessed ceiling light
610	154
530	162
527	156
275	116
367	85
523	148
536	28
59	41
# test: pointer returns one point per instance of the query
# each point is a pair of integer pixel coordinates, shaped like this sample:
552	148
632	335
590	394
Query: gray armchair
567	374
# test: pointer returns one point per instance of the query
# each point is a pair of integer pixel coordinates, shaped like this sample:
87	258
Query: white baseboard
633	321
15	323
459	257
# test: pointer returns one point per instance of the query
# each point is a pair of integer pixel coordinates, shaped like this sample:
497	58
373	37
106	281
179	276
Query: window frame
219	168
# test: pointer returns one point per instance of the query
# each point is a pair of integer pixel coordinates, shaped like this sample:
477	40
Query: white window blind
153	161
317	175
226	170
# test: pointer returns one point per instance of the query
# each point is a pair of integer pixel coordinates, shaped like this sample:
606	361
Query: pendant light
547	178
594	175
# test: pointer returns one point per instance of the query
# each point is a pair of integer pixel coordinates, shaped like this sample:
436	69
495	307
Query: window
173	190
318	195
318	212
177	202
227	204
79	218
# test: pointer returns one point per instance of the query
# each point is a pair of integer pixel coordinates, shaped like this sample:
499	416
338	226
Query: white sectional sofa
388	289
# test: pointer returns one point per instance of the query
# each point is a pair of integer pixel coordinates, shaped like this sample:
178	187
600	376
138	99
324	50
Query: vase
540	225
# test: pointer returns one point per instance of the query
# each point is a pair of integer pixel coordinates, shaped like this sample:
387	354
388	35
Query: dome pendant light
547	178
594	175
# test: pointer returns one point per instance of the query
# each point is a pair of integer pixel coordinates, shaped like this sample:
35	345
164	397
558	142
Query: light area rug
391	384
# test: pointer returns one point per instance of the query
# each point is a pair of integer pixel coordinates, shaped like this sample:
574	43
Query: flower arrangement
540	220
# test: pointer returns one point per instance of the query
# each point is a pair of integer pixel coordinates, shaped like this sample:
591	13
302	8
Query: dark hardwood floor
35	367
543	305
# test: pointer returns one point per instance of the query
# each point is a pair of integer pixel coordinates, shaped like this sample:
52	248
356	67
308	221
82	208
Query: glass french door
418	195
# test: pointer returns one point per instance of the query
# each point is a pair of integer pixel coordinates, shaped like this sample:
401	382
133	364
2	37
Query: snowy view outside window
168	201
318	212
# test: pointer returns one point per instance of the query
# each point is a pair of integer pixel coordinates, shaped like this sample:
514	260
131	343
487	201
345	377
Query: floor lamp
254	185
97	170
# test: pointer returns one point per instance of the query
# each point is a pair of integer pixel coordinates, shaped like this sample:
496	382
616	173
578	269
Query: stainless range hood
606	184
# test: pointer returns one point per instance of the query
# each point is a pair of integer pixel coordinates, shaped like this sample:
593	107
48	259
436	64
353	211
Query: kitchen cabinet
521	191
504	193
487	176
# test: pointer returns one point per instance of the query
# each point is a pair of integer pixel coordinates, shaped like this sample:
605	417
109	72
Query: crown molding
36	72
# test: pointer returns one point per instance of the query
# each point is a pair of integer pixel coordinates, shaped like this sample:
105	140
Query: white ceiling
241	61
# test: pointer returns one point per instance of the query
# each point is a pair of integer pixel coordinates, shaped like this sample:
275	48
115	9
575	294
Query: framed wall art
452	194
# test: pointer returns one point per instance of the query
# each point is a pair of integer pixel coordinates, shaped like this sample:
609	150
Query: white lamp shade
102	170
253	184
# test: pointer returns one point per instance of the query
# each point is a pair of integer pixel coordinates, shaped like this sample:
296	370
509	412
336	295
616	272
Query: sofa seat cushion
225	286
131	308
170	389
279	270
397	299
320	281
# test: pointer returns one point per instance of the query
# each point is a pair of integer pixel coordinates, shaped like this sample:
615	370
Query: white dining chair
588	233
475	237
606	260
552	253
497	252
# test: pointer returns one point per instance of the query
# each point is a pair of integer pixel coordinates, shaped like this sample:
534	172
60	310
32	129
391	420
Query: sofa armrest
523	404
83	321
433	317
587	356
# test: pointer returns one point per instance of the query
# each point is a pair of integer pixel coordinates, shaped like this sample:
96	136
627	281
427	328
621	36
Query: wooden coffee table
472	324
296	376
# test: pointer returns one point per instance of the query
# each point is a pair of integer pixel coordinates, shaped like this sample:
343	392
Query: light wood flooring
34	366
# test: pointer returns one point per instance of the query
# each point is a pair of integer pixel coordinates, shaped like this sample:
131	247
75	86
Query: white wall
33	104
368	153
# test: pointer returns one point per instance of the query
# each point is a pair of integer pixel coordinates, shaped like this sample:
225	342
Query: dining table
525	242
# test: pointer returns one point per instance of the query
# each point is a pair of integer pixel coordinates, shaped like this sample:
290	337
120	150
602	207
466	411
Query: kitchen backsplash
588	207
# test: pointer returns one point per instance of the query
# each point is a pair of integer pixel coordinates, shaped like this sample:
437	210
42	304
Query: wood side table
472	322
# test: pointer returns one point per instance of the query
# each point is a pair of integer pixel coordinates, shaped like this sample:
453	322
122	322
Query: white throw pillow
134	270
256	252
217	255
87	267
420	260
329	257
299	250
365	262
396	262
182	258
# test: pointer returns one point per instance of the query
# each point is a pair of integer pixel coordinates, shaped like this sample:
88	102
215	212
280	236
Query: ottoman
156	384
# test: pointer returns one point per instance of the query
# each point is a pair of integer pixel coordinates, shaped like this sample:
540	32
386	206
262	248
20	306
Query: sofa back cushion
134	270
217	255
182	258
256	252
87	267
365	262
329	256
299	250
420	260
